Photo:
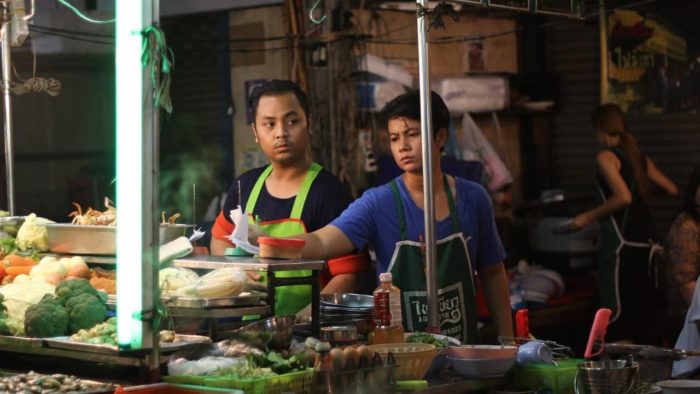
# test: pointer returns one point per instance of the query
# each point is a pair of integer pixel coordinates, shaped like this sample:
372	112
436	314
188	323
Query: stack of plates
542	284
347	309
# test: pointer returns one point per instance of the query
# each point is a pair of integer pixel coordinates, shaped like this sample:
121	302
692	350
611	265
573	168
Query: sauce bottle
388	326
323	370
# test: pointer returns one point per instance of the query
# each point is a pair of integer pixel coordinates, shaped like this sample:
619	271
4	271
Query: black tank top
639	226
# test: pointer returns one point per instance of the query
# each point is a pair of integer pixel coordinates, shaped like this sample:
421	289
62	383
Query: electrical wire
83	16
375	38
75	32
70	37
50	86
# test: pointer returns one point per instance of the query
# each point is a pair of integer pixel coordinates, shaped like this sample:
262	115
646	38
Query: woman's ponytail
639	162
609	118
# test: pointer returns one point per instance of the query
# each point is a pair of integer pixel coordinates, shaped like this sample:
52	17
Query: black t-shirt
326	199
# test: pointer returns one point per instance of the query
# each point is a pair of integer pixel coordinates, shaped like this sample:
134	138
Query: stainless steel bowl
97	240
349	300
11	224
364	326
339	335
271	333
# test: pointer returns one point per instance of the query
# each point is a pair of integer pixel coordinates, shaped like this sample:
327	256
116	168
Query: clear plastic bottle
323	369
388	326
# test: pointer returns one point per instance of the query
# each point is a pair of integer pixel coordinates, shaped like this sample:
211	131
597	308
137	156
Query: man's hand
254	231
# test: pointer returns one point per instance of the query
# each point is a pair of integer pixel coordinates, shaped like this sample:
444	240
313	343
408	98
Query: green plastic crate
197	380
557	378
296	382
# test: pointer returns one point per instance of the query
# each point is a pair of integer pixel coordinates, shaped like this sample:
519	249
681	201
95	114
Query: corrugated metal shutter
196	77
671	140
196	140
577	72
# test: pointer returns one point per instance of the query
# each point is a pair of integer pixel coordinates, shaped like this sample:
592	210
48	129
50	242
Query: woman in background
627	271
682	250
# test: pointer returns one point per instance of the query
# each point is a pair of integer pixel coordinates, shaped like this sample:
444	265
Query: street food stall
95	307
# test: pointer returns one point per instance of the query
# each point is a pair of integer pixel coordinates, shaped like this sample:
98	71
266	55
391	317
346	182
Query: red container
167	388
280	248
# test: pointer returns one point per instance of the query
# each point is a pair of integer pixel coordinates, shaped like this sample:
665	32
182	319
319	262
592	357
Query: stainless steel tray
199	303
21	342
348	300
180	342
97	240
219	302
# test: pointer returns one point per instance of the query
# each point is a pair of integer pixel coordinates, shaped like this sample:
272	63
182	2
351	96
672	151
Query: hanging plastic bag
476	147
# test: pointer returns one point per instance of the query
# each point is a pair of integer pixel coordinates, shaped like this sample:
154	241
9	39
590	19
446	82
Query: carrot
15	260
14	271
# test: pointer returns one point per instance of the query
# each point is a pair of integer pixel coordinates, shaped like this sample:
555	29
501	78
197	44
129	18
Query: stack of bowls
347	309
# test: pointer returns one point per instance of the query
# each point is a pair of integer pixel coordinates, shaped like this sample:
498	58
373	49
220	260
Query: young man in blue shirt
389	218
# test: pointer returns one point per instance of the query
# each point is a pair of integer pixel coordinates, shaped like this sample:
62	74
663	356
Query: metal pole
427	140
603	33
7	116
331	108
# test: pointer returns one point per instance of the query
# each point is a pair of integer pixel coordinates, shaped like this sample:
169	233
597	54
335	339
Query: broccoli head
84	312
74	287
46	319
4	329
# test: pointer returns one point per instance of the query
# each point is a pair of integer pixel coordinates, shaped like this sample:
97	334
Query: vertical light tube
426	126
131	133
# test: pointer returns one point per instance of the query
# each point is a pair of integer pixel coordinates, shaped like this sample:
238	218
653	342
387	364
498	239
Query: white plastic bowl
481	368
681	386
482	351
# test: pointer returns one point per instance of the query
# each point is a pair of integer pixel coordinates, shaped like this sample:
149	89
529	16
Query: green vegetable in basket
248	370
422	337
279	364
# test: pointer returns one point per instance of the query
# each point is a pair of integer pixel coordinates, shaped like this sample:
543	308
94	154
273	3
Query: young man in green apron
390	219
290	196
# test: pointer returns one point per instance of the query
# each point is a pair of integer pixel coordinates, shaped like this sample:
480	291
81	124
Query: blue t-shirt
373	219
326	199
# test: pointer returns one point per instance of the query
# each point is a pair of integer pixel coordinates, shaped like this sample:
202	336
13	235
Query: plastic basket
197	380
296	382
557	378
412	359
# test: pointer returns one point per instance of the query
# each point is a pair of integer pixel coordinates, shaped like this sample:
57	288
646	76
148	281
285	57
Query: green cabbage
173	278
19	297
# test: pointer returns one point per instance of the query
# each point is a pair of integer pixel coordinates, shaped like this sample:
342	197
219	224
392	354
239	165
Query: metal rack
270	266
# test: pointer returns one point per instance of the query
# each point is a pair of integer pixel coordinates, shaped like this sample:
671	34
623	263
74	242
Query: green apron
456	290
288	299
617	257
